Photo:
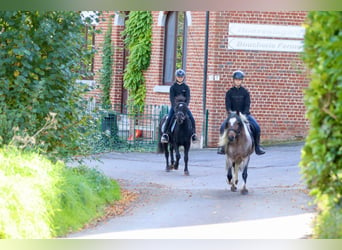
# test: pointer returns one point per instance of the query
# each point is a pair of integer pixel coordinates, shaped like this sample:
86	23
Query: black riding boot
258	149
220	150
194	137
165	129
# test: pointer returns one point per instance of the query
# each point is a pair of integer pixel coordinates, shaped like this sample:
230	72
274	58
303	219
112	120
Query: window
175	44
90	20
87	67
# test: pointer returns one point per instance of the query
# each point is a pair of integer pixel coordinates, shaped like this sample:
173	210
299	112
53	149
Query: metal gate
122	129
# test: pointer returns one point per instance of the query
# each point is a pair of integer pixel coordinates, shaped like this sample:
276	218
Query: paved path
201	206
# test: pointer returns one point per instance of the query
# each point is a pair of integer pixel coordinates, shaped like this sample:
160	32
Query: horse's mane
244	118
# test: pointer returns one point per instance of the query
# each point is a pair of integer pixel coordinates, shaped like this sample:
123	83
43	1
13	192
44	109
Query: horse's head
181	112
234	126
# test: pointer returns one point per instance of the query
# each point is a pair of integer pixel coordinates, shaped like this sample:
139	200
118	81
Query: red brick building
265	45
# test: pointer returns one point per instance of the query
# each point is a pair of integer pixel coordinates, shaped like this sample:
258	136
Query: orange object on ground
138	134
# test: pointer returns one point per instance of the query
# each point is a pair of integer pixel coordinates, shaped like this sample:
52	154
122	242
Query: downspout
205	72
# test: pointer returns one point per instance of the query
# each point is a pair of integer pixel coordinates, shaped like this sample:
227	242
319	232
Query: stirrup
164	138
194	137
220	150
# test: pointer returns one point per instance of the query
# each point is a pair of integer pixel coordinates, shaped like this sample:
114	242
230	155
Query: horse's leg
235	180
229	175
229	166
166	149
186	159
244	190
177	157
172	156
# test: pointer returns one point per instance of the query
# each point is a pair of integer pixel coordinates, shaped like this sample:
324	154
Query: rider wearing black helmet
179	87
238	99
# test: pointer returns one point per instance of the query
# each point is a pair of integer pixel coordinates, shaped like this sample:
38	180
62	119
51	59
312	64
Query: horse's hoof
229	182
233	189
167	169
244	191
186	173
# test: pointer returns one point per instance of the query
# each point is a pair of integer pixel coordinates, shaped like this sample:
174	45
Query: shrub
41	56
321	162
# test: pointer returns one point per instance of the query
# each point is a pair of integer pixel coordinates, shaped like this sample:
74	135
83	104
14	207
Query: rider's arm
188	96
228	102
247	104
172	96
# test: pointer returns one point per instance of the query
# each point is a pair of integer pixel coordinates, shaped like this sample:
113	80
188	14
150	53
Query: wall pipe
205	72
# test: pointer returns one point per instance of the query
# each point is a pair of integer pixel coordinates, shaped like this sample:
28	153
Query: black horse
180	135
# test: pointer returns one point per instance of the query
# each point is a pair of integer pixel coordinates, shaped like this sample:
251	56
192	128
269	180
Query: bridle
236	131
180	113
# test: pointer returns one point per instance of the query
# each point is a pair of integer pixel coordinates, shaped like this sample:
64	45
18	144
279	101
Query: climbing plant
138	38
107	67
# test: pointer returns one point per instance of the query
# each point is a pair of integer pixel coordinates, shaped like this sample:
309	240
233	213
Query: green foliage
84	193
328	224
107	67
322	154
138	38
40	199
41	55
103	135
27	185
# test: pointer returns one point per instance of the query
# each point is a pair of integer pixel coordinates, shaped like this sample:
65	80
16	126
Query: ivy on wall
107	67
138	38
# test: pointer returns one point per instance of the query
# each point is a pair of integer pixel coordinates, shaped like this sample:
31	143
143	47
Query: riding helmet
238	74
180	73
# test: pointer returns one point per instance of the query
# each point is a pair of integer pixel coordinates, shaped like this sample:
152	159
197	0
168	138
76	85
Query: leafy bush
41	56
41	199
322	154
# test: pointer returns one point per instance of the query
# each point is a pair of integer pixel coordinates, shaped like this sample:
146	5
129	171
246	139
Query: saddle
173	124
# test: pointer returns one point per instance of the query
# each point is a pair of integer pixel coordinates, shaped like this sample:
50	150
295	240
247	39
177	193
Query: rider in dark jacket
179	87
238	99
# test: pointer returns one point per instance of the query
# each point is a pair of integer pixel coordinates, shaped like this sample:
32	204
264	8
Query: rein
181	112
237	132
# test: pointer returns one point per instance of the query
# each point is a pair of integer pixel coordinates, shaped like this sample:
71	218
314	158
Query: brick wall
276	80
117	90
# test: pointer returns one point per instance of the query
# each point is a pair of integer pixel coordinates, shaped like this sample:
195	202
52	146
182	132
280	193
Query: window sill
161	89
90	83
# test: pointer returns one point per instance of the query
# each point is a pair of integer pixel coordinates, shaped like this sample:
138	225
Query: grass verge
40	199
